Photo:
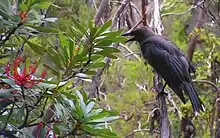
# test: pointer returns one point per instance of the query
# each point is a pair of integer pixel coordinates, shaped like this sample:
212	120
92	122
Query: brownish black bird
169	62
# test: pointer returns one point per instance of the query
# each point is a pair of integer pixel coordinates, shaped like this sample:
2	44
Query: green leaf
23	7
106	133
61	127
4	103
5	93
56	129
34	2
21	114
111	49
90	72
65	86
78	112
70	95
42	5
79	28
95	57
54	55
112	56
11	83
64	47
35	47
85	97
95	112
110	34
98	115
105	119
104	42
80	56
75	33
71	47
82	104
92	29
96	65
103	28
108	51
89	107
43	29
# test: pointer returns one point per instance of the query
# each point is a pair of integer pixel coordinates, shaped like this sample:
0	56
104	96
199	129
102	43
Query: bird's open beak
129	34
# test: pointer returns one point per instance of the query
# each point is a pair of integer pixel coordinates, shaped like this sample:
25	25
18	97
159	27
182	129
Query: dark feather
167	59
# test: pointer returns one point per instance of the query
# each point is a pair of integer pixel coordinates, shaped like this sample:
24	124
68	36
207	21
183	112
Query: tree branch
11	32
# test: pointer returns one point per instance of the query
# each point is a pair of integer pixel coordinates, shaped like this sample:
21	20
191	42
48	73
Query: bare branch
210	83
130	51
119	11
183	13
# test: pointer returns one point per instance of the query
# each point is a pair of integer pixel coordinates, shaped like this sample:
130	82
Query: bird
168	62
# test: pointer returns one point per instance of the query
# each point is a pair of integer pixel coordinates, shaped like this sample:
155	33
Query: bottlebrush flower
24	77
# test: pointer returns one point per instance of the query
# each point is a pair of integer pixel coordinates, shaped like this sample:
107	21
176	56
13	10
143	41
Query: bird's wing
172	68
167	63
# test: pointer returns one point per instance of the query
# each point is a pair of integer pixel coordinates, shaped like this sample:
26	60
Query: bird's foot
160	94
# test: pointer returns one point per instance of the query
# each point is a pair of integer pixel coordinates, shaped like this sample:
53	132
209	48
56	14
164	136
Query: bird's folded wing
176	65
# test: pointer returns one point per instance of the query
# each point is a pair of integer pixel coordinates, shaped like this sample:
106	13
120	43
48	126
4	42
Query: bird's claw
160	94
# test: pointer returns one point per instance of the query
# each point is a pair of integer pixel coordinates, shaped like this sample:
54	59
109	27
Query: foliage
53	105
62	39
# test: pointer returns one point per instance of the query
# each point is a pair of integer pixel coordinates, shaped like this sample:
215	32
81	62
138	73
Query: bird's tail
194	98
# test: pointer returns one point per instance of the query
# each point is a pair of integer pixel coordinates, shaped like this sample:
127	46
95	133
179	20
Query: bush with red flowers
40	96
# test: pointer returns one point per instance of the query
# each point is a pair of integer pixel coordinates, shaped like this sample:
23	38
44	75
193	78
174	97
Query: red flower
24	78
39	129
23	16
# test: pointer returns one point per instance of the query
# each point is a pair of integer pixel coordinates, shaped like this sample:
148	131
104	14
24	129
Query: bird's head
138	34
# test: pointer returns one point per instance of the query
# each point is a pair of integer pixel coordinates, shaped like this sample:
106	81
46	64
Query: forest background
66	72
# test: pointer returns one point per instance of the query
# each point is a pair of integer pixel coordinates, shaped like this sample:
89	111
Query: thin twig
26	109
182	13
11	32
130	51
119	11
139	130
210	83
9	116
